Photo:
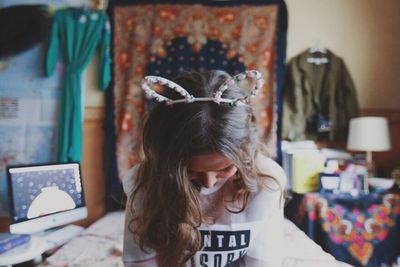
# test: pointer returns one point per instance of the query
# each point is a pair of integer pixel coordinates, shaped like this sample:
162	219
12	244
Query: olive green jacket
311	89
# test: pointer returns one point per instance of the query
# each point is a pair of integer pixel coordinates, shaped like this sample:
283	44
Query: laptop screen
37	191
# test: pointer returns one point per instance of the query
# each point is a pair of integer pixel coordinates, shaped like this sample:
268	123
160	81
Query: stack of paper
302	162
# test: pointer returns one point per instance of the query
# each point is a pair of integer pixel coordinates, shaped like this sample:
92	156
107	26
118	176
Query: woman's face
209	170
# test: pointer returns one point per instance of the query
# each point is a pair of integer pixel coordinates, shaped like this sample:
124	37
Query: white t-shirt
253	237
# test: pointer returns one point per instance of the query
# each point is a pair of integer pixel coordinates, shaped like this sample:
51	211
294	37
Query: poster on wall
28	113
77	3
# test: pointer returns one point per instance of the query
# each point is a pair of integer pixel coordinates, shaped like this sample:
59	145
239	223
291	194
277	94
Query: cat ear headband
217	98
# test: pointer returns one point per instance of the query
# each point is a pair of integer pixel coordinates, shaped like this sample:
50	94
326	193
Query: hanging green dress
76	33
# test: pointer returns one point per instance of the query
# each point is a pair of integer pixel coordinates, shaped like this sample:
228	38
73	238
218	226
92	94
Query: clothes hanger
100	4
318	60
94	5
317	49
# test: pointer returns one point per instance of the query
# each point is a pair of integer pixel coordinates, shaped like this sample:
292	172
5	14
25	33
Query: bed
100	245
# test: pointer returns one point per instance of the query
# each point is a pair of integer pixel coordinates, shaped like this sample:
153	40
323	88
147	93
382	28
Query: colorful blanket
361	230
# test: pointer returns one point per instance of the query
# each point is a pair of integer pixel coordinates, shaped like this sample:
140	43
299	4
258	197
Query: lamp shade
368	134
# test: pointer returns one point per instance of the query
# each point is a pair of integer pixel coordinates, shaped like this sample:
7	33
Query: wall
365	33
93	143
93	96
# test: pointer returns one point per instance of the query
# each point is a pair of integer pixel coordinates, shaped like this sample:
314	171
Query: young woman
204	194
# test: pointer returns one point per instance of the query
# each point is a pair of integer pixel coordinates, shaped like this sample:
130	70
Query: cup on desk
380	184
329	182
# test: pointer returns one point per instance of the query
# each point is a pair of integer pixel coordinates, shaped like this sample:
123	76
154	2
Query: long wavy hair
165	204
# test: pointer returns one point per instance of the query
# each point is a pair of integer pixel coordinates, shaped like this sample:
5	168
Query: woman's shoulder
269	167
267	202
129	179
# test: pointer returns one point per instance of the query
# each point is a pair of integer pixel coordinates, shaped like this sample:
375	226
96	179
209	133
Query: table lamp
369	134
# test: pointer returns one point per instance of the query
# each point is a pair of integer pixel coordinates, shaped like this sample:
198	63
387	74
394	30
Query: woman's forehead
209	162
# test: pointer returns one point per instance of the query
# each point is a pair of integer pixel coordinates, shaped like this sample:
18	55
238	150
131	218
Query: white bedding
100	245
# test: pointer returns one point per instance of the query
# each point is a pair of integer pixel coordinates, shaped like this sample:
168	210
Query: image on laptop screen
37	192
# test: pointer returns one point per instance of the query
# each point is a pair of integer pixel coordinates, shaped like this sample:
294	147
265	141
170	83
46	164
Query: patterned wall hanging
166	39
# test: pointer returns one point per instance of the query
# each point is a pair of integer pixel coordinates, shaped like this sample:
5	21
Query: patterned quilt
100	245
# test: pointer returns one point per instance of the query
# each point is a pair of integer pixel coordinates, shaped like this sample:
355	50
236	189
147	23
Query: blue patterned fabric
182	58
362	230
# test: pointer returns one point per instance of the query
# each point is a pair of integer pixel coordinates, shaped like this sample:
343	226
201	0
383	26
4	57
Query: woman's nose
209	180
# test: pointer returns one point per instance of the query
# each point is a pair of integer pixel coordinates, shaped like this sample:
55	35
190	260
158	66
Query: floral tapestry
166	39
360	230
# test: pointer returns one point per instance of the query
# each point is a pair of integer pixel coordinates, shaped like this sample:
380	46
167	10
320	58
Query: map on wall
28	113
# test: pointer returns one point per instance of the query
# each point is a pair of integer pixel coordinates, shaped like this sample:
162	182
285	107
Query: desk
361	230
27	252
4	224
